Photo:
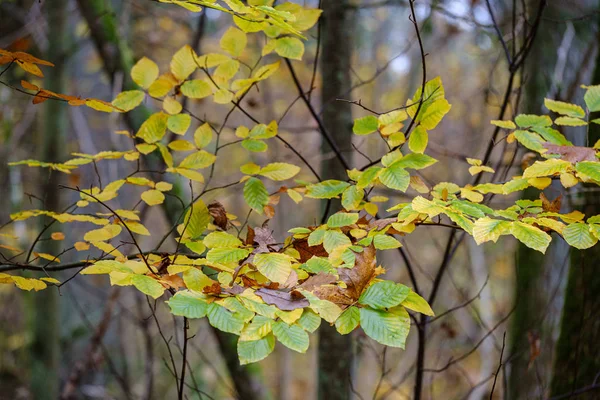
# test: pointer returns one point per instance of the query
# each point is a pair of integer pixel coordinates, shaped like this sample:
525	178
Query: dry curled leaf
572	154
282	300
217	211
551	206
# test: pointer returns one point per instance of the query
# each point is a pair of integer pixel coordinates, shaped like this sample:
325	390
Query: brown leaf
381	223
527	160
551	206
282	300
572	154
217	211
263	237
292	280
215	288
317	280
249	237
173	281
358	278
234	290
306	251
269	211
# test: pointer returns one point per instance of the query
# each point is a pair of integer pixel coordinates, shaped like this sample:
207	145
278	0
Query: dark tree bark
577	361
335	351
45	346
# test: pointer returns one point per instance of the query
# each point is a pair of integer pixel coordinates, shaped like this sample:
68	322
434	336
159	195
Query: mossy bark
577	361
45	344
335	351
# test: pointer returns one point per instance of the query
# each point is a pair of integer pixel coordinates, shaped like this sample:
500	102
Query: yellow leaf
223	96
128	100
154	128
203	135
46	256
50	280
234	41
540	183
179	123
153	197
28	284
106	233
181	145
144	72
162	85
163	186
171	106
137	227
183	63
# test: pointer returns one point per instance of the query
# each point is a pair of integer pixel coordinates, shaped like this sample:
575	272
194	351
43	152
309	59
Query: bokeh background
497	301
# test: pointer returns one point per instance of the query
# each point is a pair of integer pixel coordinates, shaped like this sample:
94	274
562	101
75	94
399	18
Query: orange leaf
57	236
29	86
31	68
30	59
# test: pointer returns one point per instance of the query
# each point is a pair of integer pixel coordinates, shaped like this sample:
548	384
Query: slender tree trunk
577	361
531	287
45	346
335	351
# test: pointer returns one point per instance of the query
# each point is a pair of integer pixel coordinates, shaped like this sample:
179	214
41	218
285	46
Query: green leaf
552	135
568	109
348	321
385	242
384	294
196	280
291	336
279	171
290	47
256	350
592	98
256	194
416	303
154	128
234	41
334	239
309	320
129	100
275	266
257	329
395	177
589	168
433	115
368	176
329	311
579	236
341	219
188	304
227	255
530	236
220	240
254	145
224	320
546	168
351	197
365	125
414	161
144	72
388	328
196	220
196	89
531	140
326	189
569	121
179	123
527	121
417	142
147	285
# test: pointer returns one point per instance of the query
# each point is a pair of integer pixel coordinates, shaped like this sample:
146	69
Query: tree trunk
335	351
45	346
577	360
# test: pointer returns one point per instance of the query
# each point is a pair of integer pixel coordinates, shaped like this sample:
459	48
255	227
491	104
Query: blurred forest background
493	302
